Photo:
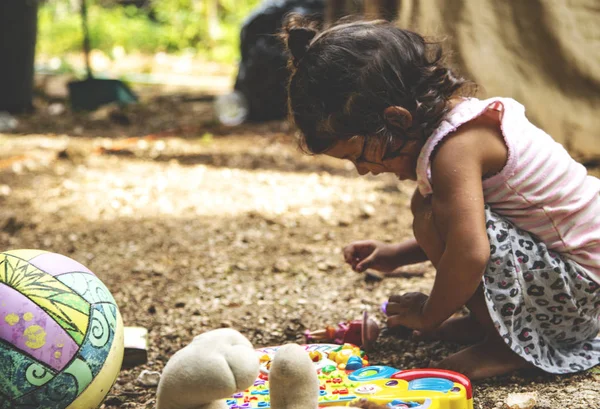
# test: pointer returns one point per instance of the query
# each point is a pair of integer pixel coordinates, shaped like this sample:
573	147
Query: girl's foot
462	330
491	357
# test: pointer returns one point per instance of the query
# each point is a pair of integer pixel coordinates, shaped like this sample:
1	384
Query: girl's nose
362	170
375	172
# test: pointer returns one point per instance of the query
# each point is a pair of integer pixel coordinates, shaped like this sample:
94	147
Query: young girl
508	219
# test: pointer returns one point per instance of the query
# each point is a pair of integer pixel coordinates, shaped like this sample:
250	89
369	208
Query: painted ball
61	334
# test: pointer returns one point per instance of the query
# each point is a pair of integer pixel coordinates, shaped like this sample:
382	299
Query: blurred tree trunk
336	9
212	20
386	9
371	9
18	31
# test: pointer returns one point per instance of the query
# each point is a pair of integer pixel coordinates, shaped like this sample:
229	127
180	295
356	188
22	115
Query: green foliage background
172	26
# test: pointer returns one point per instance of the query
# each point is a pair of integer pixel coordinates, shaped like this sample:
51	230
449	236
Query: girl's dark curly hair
344	77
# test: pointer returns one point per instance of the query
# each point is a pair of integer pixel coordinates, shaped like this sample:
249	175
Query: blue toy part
431	384
372	373
353	363
260	392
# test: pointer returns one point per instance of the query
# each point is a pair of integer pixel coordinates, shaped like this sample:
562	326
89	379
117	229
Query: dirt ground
195	227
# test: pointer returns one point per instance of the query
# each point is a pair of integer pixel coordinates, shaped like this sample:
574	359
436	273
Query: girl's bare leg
491	357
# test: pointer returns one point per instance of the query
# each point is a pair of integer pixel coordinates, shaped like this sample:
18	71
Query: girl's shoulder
466	109
471	131
479	141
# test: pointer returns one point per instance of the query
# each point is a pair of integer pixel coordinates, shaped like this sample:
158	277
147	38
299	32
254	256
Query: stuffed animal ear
213	367
293	379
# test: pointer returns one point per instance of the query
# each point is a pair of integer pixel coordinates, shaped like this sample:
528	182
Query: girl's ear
398	118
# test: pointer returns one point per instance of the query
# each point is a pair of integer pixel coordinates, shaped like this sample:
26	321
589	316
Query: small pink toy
362	333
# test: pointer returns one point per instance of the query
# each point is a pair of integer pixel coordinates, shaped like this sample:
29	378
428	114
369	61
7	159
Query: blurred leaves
173	26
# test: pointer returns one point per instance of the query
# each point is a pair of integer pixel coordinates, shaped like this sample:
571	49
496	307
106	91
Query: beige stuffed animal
219	363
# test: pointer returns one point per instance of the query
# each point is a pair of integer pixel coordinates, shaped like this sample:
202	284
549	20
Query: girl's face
369	156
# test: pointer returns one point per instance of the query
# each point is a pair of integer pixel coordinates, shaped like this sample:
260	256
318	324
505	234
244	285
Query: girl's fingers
394	308
348	254
359	255
398	299
406	298
353	251
366	263
394	321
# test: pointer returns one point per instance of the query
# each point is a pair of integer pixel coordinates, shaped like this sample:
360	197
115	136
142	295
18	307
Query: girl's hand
382	257
406	310
377	255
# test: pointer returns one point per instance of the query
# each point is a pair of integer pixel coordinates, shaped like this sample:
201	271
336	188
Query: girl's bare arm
458	210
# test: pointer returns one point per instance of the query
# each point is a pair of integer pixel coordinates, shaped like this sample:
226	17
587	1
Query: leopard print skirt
545	306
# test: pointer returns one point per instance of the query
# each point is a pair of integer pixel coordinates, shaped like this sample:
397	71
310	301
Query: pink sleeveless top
541	189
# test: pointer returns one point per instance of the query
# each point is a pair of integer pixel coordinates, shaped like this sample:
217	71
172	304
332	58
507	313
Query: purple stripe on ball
30	329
